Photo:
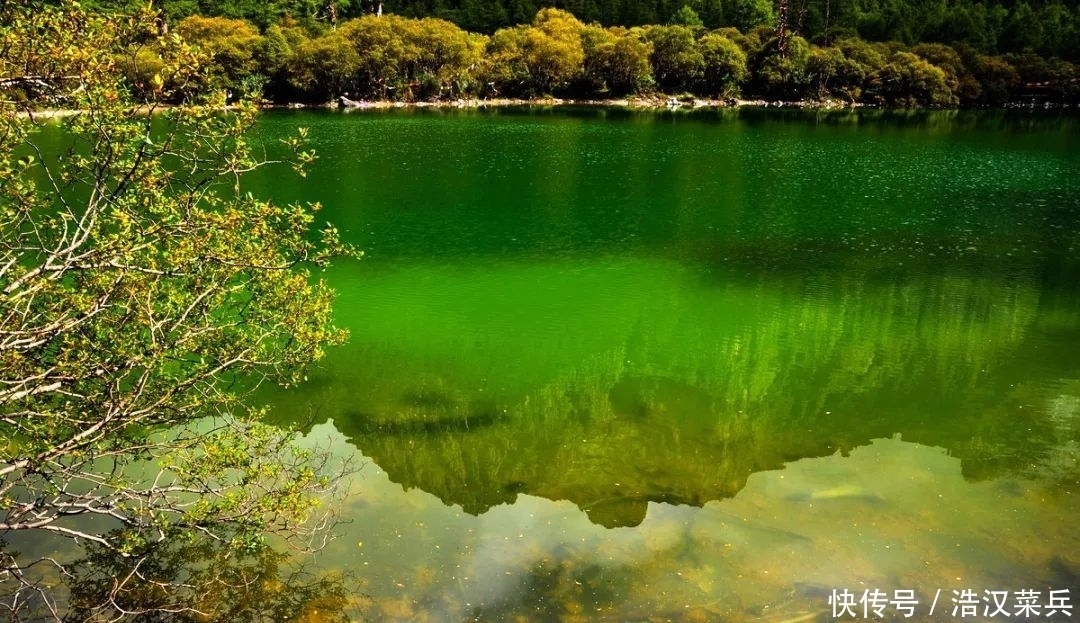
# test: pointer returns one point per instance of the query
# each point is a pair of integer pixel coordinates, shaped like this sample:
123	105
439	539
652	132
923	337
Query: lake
744	365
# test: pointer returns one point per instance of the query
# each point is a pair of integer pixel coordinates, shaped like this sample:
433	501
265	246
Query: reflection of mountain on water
684	412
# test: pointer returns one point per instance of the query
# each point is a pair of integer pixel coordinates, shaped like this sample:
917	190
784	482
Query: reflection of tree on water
688	407
197	581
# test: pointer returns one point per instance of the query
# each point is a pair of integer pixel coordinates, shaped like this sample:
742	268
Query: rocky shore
637	102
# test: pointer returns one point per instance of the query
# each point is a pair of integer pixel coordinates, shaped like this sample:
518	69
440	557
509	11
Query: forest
925	53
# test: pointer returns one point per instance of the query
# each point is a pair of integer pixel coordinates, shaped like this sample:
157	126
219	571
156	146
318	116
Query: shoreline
633	103
648	102
644	103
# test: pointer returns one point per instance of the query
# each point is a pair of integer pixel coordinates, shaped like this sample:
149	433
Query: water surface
616	366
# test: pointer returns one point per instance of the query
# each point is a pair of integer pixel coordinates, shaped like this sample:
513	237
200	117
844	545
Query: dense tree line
385	56
1049	28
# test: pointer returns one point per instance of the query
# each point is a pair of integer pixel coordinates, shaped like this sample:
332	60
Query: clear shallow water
619	366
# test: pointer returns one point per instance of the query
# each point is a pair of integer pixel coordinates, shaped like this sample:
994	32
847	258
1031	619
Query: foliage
616	60
1050	28
324	68
276	54
747	15
907	80
398	58
504	70
142	292
782	75
543	58
231	45
388	57
553	50
833	74
995	79
678	64
725	64
686	16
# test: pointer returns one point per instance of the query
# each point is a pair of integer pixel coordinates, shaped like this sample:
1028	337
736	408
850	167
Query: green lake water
620	366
